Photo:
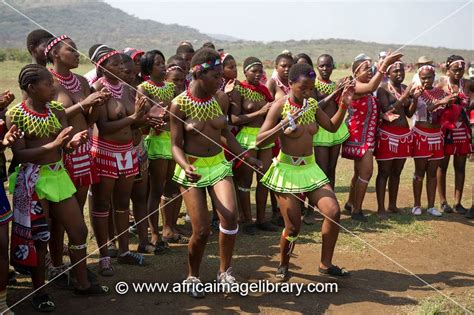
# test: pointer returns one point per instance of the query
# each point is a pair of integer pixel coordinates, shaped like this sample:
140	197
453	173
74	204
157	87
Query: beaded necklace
69	82
325	87
281	85
198	108
461	86
308	114
250	95
429	96
34	123
394	91
164	91
116	90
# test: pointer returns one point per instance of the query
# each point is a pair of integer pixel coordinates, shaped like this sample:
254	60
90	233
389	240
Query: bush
14	55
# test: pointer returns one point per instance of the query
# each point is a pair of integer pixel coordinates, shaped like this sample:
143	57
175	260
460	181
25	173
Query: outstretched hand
390	58
348	93
12	135
229	87
6	98
79	139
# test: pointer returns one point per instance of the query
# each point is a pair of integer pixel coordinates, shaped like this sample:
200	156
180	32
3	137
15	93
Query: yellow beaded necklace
309	111
196	108
36	124
164	92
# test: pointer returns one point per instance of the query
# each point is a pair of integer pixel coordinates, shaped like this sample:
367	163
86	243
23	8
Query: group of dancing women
156	132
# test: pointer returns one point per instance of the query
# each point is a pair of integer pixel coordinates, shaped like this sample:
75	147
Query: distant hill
225	38
89	22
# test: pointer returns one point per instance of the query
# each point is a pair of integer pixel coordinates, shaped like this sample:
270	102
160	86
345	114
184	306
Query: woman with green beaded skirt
162	190
250	101
294	119
198	132
327	145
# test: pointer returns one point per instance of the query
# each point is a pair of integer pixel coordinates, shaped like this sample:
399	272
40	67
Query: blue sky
391	22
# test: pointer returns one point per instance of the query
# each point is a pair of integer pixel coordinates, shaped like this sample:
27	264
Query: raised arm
373	84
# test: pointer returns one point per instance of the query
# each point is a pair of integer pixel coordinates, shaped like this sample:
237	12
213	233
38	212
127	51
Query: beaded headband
256	63
54	43
460	61
224	56
172	68
107	56
394	64
206	65
426	67
97	50
365	62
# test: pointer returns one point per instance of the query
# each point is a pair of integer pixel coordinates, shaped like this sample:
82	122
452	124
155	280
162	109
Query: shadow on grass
364	286
256	258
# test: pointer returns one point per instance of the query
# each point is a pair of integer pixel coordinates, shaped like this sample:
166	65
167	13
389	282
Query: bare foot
382	215
393	209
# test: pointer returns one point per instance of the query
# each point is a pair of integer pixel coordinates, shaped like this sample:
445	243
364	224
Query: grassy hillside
91	21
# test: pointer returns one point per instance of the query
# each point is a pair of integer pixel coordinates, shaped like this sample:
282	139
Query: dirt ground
438	250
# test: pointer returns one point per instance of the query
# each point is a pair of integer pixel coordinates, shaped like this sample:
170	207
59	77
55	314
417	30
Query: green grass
9	71
439	305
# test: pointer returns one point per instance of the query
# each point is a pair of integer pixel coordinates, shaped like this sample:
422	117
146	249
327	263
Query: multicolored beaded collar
34	123
197	108
164	91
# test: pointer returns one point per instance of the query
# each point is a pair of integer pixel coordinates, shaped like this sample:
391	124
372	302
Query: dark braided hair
451	59
303	56
96	52
175	60
227	59
31	74
249	60
36	37
93	49
184	49
301	70
283	56
209	45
